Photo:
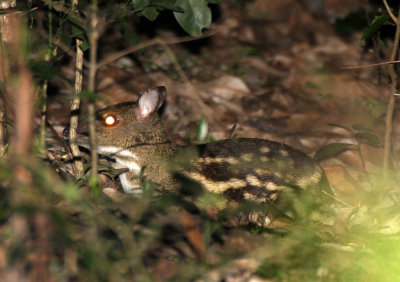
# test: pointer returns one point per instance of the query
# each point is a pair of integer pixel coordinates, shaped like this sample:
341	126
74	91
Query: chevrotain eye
110	120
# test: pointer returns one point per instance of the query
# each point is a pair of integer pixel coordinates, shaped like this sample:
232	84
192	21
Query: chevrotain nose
65	133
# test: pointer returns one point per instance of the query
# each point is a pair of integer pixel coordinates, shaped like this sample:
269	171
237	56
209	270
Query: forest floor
290	71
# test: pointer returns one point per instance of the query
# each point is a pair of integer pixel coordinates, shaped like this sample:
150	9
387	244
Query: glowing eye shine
110	120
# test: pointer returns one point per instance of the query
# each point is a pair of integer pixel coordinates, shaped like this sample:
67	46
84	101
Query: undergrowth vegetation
82	236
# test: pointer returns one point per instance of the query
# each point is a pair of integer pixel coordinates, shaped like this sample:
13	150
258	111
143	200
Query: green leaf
129	34
89	95
163	2
141	174
211	139
44	69
202	129
331	150
94	185
371	138
84	45
360	127
77	31
197	16
214	1
150	13
71	193
248	51
374	106
351	23
66	39
167	4
312	85
375	25
140	4
87	166
269	270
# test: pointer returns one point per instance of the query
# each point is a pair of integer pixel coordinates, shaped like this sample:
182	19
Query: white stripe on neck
116	152
131	165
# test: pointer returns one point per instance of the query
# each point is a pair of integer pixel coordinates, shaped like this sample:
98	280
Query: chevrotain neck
152	158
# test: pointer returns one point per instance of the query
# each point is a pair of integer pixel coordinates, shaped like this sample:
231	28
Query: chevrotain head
126	126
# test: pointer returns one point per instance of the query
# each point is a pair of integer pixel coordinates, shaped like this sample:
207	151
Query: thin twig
43	114
391	104
69	51
206	111
69	12
24	111
43	151
390	12
7	22
93	37
371	65
152	42
23	104
149	43
76	153
337	199
62	46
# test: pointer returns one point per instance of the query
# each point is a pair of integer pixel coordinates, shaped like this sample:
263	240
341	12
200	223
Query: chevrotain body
257	169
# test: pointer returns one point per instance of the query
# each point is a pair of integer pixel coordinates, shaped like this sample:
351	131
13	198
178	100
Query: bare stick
152	42
390	12
391	104
43	150
8	22
206	111
24	95
24	111
93	37
69	51
44	89
371	65
76	153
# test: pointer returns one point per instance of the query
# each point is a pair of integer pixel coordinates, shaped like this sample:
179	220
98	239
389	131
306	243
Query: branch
69	51
73	125
93	37
391	105
371	65
155	41
394	18
206	111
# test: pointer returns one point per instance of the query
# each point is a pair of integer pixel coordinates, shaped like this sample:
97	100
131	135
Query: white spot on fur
312	179
272	186
247	157
219	160
284	153
254	181
129	164
217	186
265	150
115	151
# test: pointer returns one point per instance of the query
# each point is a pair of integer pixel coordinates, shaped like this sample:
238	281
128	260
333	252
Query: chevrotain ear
150	101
